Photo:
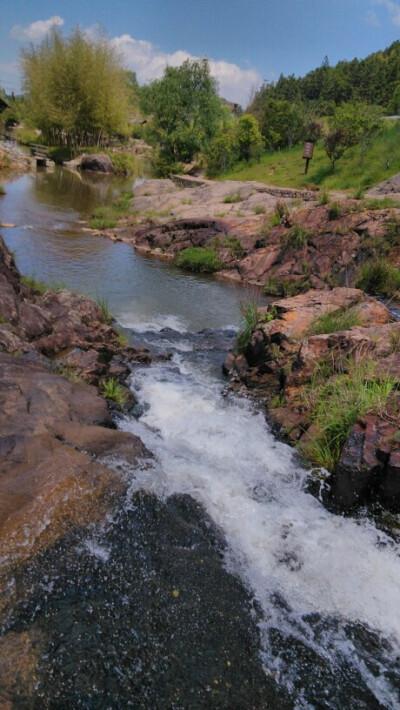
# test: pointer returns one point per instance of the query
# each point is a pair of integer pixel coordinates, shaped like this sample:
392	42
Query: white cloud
372	19
393	9
36	31
235	83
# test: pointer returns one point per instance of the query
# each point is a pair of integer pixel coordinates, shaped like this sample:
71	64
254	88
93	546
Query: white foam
281	539
155	325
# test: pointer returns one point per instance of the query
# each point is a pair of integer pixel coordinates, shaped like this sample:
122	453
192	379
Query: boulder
97	162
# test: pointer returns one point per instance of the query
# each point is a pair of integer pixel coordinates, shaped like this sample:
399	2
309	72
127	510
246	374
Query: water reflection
50	244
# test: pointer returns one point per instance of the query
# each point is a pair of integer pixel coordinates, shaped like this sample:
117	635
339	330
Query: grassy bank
286	167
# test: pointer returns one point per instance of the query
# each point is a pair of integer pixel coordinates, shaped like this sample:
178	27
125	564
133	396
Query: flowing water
323	590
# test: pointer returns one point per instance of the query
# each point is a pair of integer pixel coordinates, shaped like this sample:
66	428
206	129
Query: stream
218	564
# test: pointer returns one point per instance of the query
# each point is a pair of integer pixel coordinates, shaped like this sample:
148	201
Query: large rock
53	433
98	162
282	365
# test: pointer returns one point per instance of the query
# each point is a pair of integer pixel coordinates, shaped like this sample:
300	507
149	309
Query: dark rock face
97	162
153	621
279	366
171	238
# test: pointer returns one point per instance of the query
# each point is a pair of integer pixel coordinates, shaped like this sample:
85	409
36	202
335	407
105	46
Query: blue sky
246	40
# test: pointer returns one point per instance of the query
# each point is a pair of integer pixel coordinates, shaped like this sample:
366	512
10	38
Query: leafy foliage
112	390
185	112
76	89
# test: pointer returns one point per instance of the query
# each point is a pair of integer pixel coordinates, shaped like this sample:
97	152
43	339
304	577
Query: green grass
297	237
342	319
337	404
249	321
259	209
232	199
286	167
40	286
107	216
106	314
111	389
379	278
233	244
199	260
323	198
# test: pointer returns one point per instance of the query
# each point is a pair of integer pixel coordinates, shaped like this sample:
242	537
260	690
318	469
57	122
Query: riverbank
326	365
279	241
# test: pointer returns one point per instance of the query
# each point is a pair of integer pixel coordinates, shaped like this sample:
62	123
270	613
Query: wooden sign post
308	153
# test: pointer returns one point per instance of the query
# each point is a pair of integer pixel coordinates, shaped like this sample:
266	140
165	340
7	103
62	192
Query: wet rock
143	613
52	431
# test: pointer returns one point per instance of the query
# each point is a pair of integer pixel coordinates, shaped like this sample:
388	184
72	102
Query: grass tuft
297	237
249	313
334	211
232	199
337	404
2	190
342	319
379	278
199	260
106	314
111	389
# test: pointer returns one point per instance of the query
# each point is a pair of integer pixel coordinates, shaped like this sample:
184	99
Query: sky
246	41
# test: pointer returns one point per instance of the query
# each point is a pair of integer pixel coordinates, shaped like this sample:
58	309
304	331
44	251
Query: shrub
249	322
379	278
112	390
337	404
342	319
123	163
334	211
232	199
198	259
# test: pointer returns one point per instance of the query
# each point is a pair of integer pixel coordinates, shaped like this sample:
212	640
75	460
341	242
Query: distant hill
375	79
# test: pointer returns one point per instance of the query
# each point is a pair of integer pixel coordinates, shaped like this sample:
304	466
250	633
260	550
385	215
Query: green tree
76	89
352	123
248	138
221	153
185	109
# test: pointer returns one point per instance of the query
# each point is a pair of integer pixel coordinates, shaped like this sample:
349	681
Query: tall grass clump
232	199
111	389
379	278
297	237
107	216
249	313
106	314
199	259
337	404
342	319
2	190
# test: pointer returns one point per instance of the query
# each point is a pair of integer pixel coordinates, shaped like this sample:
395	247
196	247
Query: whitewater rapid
281	540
